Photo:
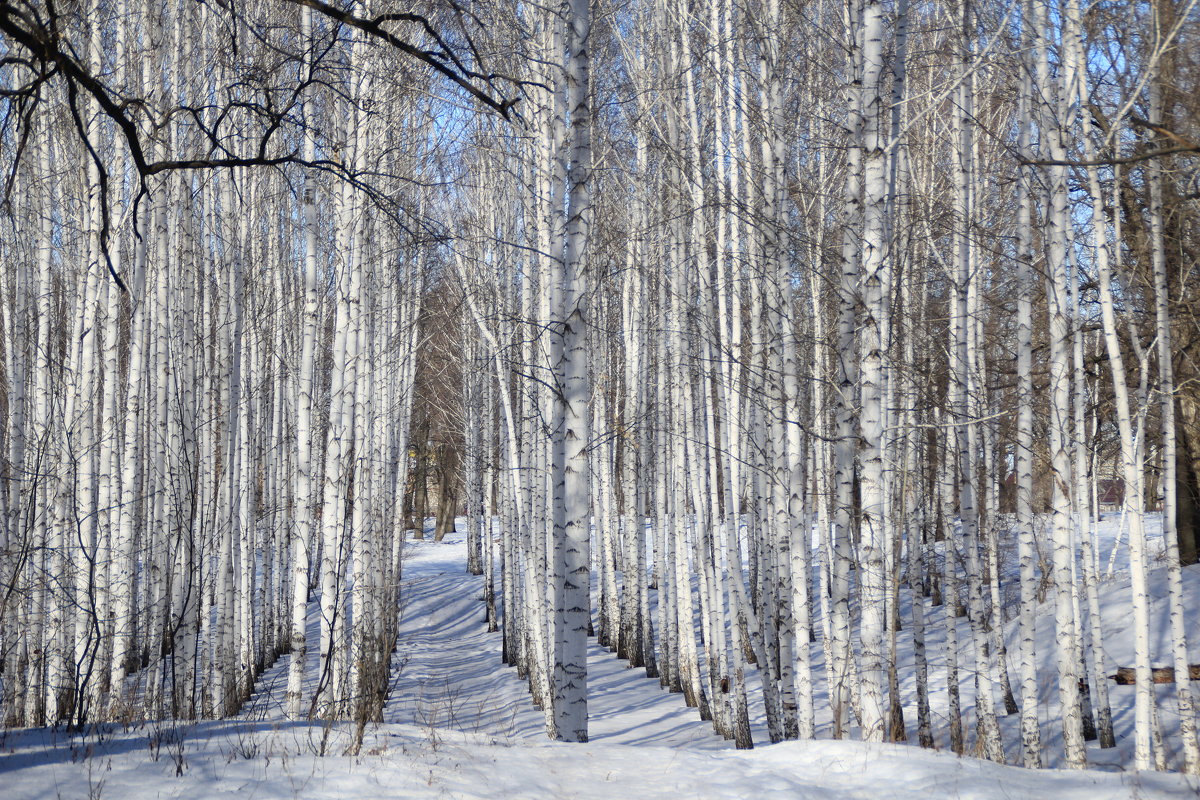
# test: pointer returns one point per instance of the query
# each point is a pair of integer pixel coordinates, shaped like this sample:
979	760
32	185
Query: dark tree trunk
448	474
1187	480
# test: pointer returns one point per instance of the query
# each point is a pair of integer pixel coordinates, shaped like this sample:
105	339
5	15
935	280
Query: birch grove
796	352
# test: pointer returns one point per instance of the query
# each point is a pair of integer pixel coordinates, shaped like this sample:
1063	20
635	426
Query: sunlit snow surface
262	760
460	725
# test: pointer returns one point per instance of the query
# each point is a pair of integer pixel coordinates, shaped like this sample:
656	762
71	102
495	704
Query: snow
459	724
259	761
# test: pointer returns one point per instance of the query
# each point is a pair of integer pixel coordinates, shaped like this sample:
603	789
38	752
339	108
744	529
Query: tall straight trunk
845	381
1085	525
39	498
964	388
630	641
948	485
1057	236
132	467
340	442
572	550
1031	742
1166	388
84	445
233	526
302	532
873	280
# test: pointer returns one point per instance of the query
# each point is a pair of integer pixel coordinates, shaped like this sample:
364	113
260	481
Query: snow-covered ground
461	725
257	761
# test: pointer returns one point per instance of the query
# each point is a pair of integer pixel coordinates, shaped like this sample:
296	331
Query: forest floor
459	724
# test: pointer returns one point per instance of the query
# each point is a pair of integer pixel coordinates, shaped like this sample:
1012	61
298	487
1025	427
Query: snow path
268	702
447	671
